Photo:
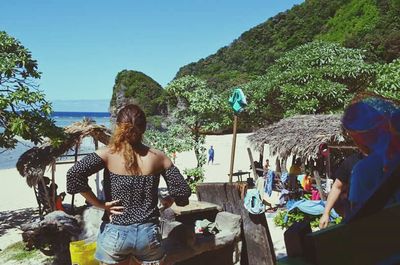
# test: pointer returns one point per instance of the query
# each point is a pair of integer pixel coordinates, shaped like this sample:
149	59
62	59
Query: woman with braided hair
132	173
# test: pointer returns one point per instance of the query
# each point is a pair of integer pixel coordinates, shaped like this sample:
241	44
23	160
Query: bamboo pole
235	121
319	186
328	164
252	164
46	193
261	159
53	186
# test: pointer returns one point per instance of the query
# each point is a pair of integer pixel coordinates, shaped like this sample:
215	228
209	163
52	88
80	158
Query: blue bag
253	202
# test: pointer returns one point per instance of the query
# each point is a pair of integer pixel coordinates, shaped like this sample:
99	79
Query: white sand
15	193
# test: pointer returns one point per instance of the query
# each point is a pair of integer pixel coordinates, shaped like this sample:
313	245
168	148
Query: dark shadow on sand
15	218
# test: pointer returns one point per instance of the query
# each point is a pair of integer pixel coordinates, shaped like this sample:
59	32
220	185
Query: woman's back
149	161
137	192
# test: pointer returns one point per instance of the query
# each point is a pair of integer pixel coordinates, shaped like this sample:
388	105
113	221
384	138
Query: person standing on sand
130	228
211	155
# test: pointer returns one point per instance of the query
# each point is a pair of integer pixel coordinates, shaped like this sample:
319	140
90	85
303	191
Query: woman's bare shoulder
104	153
162	158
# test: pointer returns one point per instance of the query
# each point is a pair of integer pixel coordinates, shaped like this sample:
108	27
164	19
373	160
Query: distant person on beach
211	154
132	173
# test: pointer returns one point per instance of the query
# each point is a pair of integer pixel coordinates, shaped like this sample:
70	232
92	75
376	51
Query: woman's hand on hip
114	207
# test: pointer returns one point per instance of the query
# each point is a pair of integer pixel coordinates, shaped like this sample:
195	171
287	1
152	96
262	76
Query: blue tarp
309	207
284	177
269	182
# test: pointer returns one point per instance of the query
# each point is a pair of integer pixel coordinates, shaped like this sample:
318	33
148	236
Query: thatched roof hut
300	135
32	163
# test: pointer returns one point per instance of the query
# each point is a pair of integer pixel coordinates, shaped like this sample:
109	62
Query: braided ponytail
128	134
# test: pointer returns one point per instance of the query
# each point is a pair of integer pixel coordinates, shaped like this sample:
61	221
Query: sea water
9	158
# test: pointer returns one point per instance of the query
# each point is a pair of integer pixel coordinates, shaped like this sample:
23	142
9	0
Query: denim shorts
116	243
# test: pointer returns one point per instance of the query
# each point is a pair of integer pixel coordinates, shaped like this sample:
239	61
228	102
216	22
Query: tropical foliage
298	216
370	25
173	140
355	18
387	81
24	111
197	109
318	77
194	176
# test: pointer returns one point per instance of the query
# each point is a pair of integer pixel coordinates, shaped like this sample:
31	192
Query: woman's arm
178	188
330	202
77	181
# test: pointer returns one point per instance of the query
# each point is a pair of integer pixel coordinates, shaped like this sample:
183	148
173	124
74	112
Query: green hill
373	25
136	87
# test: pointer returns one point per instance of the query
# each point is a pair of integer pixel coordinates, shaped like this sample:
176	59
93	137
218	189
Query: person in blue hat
372	121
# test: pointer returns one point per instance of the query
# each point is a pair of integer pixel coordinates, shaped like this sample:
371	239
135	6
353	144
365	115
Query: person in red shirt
59	200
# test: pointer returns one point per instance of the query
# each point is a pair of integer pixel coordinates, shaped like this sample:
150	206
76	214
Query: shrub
194	176
298	216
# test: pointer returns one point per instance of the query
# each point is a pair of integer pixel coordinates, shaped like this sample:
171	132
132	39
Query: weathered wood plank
195	207
257	248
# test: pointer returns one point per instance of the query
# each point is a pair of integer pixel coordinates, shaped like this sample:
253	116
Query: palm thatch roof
32	163
300	135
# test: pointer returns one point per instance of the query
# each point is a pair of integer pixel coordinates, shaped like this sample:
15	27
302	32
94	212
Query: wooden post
278	167
257	245
46	193
283	164
261	158
53	186
328	164
235	120
252	164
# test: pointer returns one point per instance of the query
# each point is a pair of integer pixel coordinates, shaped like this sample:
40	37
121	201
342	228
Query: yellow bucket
82	253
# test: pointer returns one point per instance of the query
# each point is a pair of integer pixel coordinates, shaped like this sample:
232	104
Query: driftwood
184	247
52	235
257	243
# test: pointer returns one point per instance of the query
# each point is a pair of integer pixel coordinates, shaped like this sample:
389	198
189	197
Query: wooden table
239	175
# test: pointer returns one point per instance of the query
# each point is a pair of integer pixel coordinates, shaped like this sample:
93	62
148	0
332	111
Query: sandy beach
15	193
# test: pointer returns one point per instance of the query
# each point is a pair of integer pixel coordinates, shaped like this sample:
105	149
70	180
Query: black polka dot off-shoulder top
137	193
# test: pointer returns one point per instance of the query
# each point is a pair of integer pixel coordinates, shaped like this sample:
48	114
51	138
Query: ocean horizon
9	158
65	118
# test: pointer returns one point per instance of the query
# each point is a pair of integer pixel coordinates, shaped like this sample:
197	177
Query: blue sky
81	45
